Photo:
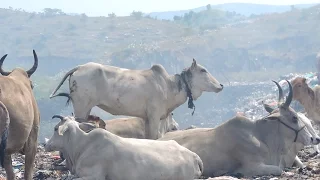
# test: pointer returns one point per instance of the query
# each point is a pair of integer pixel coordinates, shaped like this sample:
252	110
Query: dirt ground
47	167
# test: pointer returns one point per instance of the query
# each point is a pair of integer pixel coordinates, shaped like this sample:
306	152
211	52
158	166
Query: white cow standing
244	146
101	155
149	94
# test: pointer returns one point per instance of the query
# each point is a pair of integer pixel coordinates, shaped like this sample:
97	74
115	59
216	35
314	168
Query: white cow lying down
244	146
291	157
100	154
150	94
133	127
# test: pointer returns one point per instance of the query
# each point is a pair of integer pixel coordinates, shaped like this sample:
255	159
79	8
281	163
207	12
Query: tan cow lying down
19	133
150	94
100	154
244	146
133	127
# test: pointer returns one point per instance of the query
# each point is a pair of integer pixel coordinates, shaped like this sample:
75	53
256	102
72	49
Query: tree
208	7
136	14
112	15
177	18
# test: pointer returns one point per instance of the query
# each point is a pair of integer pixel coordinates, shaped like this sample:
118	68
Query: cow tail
4	132
63	79
65	95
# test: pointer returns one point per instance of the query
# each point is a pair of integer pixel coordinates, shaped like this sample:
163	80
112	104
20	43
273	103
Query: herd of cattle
149	145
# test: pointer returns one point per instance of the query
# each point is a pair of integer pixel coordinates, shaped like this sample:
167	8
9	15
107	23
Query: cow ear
304	80
272	117
62	129
87	127
267	107
194	63
102	124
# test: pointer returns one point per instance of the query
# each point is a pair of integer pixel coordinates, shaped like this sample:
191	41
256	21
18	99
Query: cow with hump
100	154
150	94
20	118
245	146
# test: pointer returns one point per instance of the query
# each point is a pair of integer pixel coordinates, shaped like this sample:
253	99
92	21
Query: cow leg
30	153
298	162
82	110
260	169
152	127
90	178
8	167
316	149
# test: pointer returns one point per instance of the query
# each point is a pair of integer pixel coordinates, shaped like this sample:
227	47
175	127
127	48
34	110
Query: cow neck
74	139
184	77
268	134
307	102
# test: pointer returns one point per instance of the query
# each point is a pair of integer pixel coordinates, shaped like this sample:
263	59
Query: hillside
233	49
245	9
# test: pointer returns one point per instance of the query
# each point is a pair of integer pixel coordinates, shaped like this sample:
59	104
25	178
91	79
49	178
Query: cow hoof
314	154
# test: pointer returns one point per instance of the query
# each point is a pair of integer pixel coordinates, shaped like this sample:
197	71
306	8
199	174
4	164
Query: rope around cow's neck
188	90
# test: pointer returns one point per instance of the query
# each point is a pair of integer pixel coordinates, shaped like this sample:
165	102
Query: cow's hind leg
8	167
30	150
82	108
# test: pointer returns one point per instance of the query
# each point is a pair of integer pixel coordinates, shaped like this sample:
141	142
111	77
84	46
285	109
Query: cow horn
280	100
58	116
289	97
35	65
4	73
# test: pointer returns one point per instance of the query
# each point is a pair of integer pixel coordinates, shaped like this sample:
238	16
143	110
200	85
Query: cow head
301	90
291	126
55	143
18	71
97	121
199	79
168	124
173	125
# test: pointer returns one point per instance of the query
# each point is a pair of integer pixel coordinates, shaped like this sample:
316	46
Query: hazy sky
125	7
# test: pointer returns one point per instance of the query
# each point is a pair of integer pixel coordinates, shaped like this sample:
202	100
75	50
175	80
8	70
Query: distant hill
240	8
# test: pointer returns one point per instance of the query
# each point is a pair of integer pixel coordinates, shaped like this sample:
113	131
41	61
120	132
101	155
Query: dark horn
289	97
35	65
4	73
280	100
58	116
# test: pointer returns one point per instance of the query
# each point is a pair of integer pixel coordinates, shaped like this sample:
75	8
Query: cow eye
203	70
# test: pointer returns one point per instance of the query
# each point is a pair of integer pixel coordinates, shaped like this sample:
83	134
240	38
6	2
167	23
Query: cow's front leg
152	127
8	167
254	169
90	178
298	162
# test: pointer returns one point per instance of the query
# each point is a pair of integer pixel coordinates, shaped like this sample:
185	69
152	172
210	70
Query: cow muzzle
315	141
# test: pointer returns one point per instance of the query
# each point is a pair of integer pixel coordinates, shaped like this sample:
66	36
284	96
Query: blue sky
125	7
